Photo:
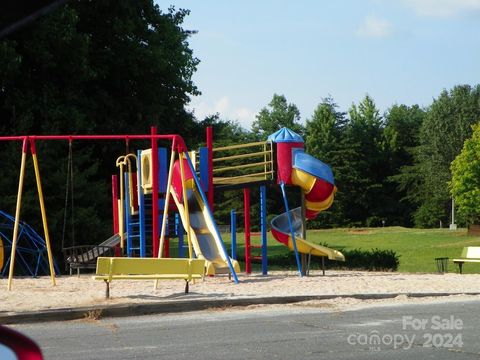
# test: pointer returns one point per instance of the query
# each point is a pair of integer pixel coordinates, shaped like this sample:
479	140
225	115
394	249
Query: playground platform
81	297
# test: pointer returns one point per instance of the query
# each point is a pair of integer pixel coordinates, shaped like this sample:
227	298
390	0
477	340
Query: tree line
391	169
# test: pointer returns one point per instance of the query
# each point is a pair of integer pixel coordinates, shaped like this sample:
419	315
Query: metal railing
242	163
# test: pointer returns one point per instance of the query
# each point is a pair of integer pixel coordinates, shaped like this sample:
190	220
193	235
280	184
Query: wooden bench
469	254
120	268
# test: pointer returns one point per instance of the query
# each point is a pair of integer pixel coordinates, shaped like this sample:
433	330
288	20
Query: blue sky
397	51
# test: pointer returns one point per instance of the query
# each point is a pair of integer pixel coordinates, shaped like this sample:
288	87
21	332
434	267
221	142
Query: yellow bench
469	254
120	268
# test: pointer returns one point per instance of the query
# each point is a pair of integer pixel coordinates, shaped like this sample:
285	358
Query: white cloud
222	105
374	27
243	115
443	8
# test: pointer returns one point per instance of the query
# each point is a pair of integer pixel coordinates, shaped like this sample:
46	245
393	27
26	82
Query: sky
397	51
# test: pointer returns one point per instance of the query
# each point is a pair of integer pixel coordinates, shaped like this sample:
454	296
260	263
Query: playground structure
184	188
281	160
315	178
182	196
31	250
177	147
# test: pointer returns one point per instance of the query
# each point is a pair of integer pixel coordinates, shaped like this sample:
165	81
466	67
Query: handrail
242	156
243	176
231	164
238	146
243	166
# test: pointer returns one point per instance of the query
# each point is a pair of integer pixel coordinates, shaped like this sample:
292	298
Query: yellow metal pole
185	206
239	146
122	203
241	156
167	201
42	210
17	213
130	179
120	162
119	205
242	166
265	159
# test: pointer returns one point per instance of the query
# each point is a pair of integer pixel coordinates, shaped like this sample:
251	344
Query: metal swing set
28	143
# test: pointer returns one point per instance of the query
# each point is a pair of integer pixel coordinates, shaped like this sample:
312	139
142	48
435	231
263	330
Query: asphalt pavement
438	331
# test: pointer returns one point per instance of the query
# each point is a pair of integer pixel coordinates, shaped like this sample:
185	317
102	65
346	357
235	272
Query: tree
402	128
278	114
323	130
115	66
92	67
401	133
446	126
365	134
465	183
226	132
323	140
142	66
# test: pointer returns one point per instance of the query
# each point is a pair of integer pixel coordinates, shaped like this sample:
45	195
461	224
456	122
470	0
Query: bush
374	221
356	259
373	260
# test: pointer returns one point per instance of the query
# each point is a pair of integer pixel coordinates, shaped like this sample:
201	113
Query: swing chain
69	193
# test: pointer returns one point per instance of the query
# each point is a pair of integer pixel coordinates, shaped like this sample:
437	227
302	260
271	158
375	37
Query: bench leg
460	266
107	290
186	286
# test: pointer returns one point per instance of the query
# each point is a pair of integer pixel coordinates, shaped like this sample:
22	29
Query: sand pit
71	291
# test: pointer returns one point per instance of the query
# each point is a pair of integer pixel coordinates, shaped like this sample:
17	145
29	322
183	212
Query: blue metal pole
179	230
7	263
263	225
290	224
233	233
207	206
39	259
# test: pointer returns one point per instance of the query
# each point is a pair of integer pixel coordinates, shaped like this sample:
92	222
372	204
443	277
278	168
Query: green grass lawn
417	248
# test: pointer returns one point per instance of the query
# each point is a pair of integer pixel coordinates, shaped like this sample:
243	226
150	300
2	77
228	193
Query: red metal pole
100	137
154	146
115	203
166	248
180	144
210	166
246	215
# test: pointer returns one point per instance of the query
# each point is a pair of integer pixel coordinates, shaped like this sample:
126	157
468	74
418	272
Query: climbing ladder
139	228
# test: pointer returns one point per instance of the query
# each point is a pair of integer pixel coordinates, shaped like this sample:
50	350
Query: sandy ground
29	294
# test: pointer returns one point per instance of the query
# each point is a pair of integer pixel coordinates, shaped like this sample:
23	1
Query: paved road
397	332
